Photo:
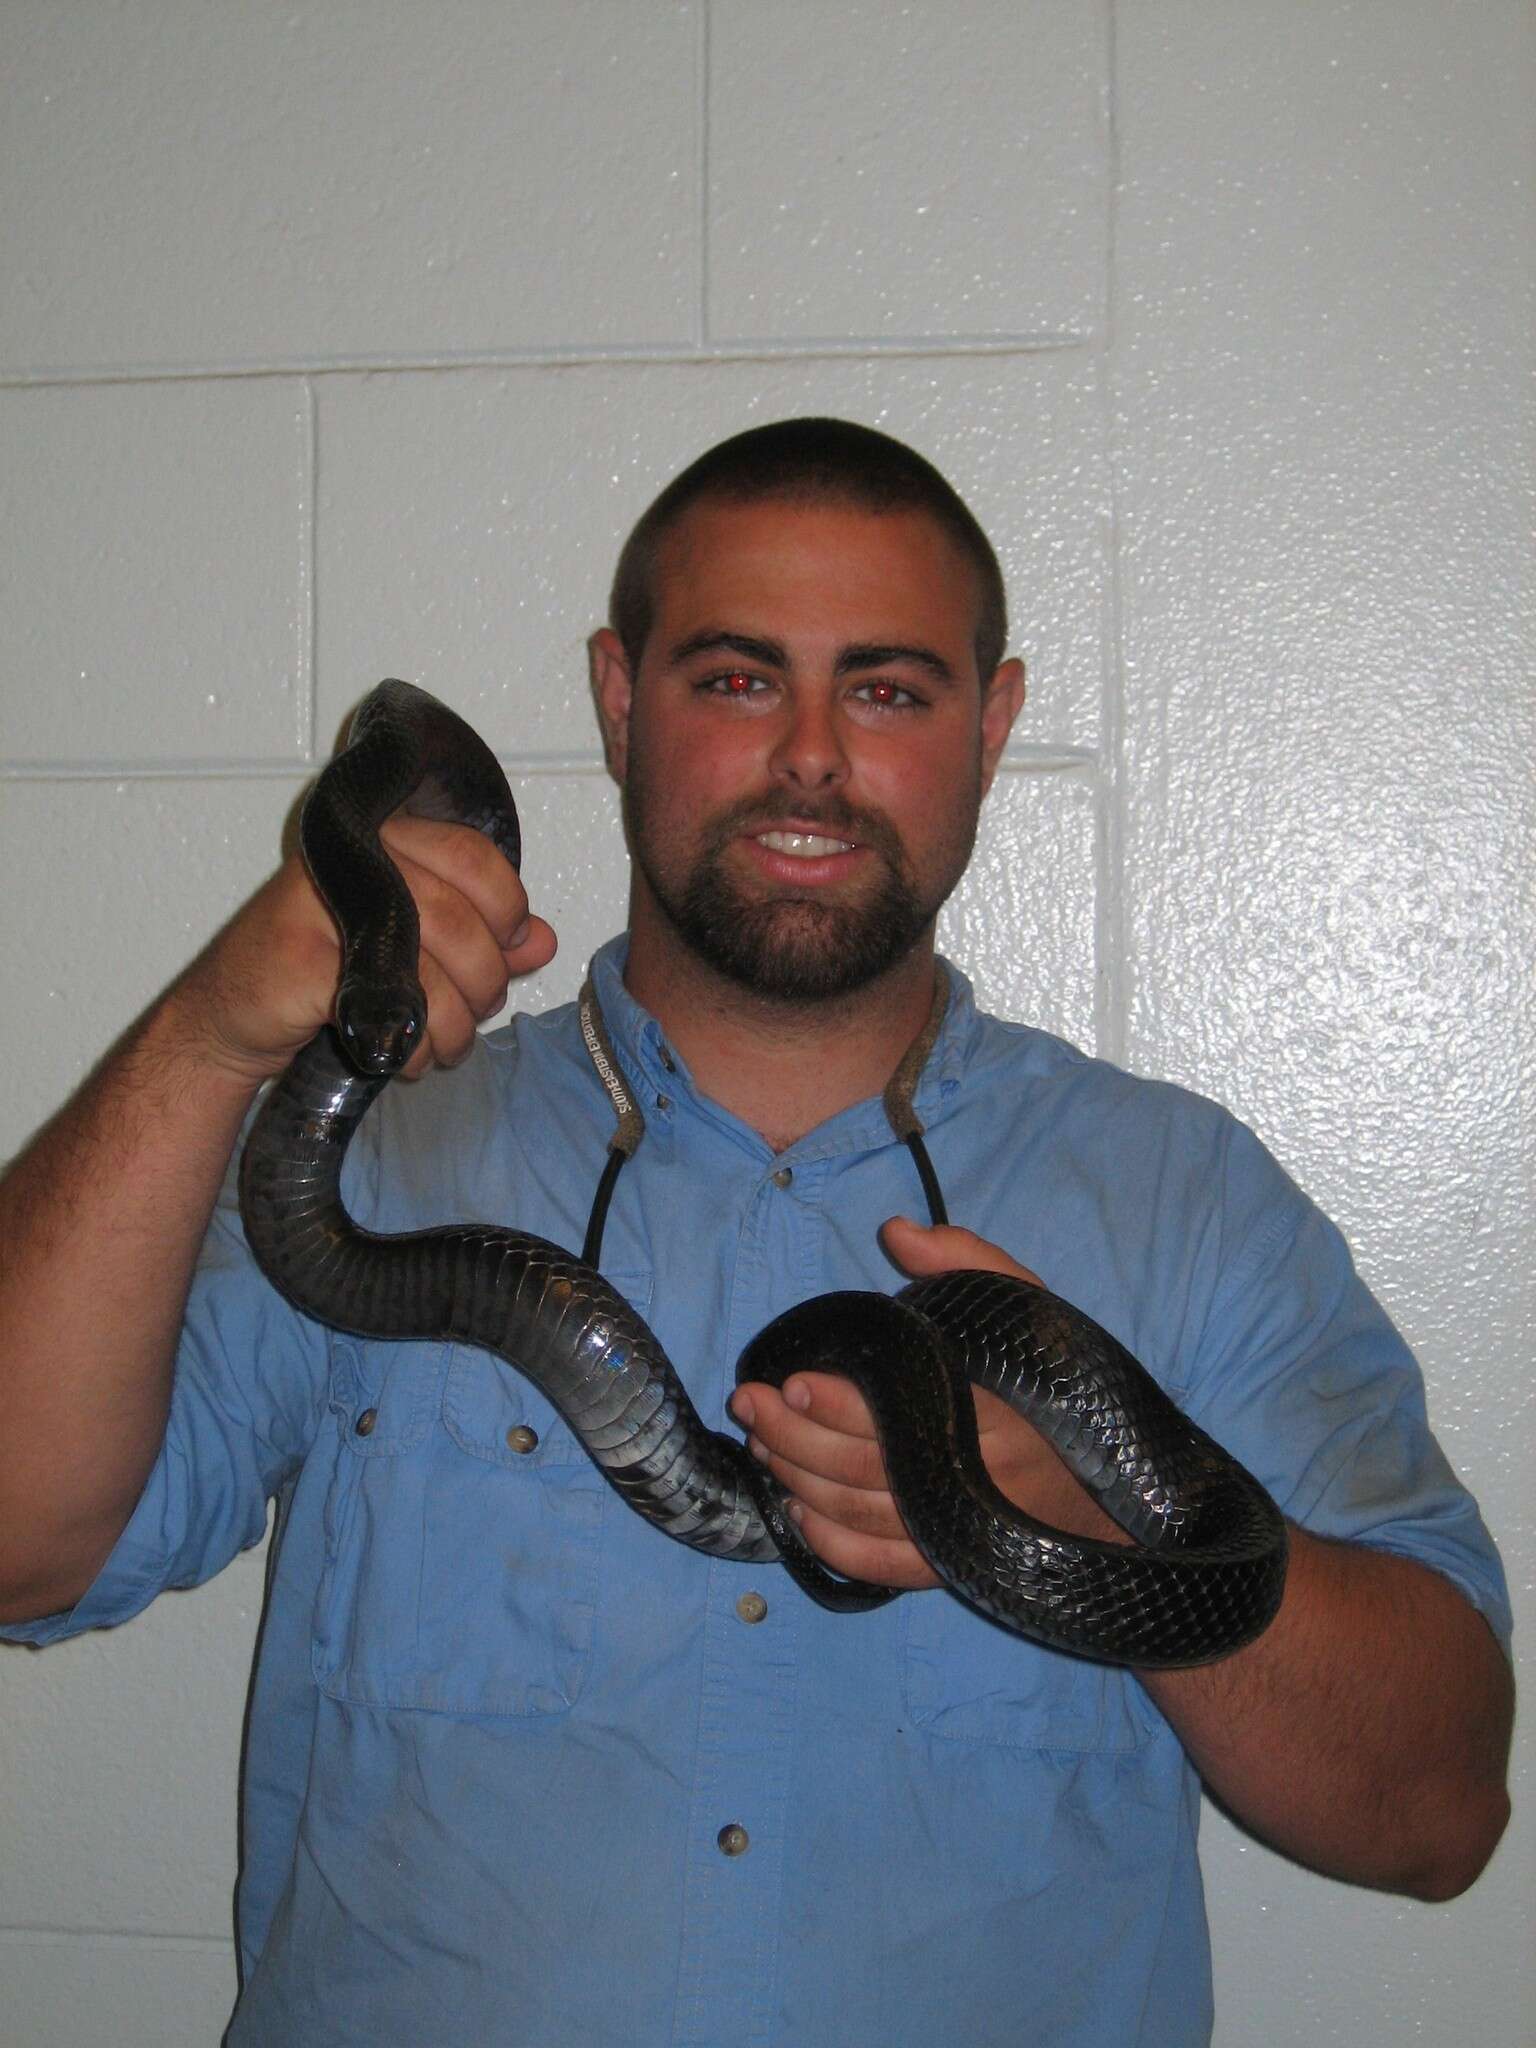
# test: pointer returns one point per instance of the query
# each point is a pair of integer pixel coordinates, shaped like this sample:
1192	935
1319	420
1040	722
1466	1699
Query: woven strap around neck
902	1086
631	1124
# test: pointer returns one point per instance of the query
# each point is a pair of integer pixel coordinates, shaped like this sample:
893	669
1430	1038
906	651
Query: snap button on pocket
365	1421
522	1439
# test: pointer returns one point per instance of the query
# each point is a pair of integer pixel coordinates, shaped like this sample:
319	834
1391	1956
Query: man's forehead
857	572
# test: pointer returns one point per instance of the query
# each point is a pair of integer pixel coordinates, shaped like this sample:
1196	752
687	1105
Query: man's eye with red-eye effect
735	682
886	695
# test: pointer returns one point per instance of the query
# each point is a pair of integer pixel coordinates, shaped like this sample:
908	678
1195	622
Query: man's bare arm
102	1215
1366	1733
100	1220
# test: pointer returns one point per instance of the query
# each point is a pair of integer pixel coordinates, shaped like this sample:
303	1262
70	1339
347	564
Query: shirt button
522	1439
665	1056
663	1102
733	1839
751	1607
365	1421
783	1177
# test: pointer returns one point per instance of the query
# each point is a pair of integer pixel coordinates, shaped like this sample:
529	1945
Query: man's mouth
803	845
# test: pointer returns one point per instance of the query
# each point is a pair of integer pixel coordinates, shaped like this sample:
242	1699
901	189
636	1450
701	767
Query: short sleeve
1303	1377
248	1393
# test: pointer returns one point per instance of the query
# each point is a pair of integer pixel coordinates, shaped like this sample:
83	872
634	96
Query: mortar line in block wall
1026	758
701	160
808	349
156	770
112	1938
537	763
1111	977
1022	759
308	693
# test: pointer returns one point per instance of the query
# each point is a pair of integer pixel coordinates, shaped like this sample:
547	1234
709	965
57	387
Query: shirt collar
663	1083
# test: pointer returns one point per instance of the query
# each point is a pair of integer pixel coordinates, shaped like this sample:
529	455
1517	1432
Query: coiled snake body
1205	1569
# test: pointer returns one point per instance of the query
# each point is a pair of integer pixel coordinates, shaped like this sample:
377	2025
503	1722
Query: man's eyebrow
851	660
718	640
879	654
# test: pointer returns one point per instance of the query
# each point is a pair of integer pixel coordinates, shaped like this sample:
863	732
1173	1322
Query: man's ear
1001	703
612	693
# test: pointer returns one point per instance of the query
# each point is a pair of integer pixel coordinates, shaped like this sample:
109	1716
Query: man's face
806	746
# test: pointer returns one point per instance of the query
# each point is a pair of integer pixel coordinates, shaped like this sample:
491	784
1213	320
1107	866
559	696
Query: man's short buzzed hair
804	461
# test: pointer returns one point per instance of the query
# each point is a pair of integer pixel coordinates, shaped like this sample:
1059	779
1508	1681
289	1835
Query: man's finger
532	946
463	862
920	1249
805	1440
876	1560
859	1509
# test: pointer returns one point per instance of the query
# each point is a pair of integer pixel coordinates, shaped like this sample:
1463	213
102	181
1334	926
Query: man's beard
789	948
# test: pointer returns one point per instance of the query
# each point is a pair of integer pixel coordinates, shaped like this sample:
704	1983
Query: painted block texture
155	606
1021	922
919	170
186	185
98	1992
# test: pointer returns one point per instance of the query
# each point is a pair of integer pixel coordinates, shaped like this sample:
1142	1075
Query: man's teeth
809	845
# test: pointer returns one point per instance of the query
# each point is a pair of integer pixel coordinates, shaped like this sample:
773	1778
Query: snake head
379	1028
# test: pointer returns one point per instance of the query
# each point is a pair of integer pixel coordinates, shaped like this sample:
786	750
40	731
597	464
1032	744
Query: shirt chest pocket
966	1680
462	1535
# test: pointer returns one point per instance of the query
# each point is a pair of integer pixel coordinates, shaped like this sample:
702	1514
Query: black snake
1205	1567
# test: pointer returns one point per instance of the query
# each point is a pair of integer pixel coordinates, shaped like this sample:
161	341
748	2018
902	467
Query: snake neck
290	1171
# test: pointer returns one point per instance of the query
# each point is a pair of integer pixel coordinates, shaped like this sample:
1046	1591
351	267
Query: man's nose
810	751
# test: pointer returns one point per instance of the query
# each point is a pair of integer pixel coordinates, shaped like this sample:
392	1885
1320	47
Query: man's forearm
1366	1733
100	1222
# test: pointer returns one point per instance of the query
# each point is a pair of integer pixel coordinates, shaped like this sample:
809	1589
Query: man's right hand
268	981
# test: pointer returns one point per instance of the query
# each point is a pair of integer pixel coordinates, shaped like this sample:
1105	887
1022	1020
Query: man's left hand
818	1439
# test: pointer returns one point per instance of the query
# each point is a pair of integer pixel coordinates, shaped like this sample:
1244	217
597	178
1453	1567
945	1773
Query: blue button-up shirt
502	1731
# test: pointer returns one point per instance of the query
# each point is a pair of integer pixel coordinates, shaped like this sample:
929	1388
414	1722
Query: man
519	1770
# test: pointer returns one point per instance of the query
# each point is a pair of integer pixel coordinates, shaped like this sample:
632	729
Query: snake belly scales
1204	1569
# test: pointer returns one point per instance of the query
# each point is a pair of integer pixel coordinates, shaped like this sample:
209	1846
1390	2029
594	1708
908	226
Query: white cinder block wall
347	338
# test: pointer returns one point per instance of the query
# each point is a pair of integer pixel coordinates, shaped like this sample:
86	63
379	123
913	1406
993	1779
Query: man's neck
782	1067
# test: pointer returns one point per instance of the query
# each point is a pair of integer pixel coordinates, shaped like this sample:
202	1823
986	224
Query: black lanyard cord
937	1213
592	1247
